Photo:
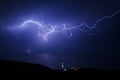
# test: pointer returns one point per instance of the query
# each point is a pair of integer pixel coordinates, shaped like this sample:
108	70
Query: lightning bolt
45	30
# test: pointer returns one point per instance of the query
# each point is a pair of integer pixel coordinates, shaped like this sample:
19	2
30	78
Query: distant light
62	65
72	67
65	69
75	69
28	51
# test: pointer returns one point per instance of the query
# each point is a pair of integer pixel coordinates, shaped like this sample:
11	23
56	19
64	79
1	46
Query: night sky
101	50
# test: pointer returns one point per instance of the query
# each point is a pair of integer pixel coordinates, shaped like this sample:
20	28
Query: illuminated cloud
45	30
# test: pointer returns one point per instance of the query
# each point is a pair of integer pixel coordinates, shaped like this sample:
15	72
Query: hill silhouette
22	70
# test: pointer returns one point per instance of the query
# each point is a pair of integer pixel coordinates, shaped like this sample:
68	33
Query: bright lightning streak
93	26
45	30
31	21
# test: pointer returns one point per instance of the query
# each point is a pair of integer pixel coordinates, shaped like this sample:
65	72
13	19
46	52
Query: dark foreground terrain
20	70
